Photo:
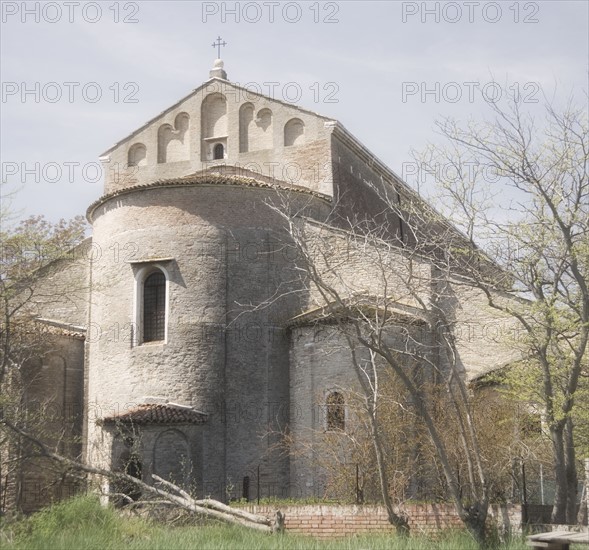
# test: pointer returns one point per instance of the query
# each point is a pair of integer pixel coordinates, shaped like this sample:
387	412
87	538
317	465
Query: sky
79	76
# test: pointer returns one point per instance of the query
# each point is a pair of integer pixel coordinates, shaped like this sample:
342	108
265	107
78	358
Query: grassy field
81	524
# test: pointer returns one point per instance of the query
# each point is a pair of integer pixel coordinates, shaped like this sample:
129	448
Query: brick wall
332	521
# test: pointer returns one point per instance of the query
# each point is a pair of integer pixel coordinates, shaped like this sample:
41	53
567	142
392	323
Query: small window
219	151
336	412
154	307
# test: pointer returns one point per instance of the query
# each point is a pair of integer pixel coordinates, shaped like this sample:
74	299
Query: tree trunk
564	510
583	515
400	522
571	473
475	521
559	508
371	394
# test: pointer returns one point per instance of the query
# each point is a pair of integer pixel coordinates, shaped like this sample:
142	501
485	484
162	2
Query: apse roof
212	176
158	413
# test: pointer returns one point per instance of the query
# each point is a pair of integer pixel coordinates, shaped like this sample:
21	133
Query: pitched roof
158	413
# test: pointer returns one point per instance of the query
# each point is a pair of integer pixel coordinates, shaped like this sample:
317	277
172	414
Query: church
162	360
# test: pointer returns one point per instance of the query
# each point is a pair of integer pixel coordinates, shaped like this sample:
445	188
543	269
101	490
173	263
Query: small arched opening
218	152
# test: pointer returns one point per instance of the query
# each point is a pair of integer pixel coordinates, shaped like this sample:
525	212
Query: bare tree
389	301
519	189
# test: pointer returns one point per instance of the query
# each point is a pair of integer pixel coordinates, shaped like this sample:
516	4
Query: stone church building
162	360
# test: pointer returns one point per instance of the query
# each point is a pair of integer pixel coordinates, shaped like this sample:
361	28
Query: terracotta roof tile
167	413
209	177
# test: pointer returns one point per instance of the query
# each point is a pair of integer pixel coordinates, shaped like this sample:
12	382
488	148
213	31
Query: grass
82	524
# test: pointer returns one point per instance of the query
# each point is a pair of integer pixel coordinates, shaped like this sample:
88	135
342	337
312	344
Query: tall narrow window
154	307
336	412
218	152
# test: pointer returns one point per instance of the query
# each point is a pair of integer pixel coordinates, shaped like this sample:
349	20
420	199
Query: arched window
218	151
154	307
335	412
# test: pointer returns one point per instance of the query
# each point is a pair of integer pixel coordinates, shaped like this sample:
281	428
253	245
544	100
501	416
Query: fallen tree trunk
208	507
217	506
216	509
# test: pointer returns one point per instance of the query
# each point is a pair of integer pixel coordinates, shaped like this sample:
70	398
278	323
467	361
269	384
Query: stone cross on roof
217	44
